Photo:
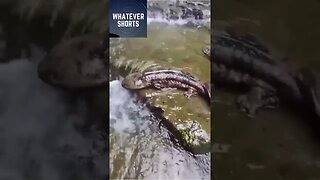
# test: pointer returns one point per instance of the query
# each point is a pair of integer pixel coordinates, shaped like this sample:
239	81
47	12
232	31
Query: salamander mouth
132	85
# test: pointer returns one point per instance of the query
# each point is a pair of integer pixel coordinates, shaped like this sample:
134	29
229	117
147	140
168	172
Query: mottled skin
162	79
242	60
260	94
76	63
247	55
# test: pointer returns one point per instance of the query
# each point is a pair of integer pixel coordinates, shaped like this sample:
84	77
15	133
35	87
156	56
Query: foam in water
139	150
158	17
124	111
177	22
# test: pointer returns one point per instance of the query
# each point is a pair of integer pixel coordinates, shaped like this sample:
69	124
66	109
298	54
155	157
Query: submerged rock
194	135
179	10
190	117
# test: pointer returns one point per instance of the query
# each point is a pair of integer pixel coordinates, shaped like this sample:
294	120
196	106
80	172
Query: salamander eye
139	78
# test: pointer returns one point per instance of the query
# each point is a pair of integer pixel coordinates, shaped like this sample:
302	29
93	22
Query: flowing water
138	148
40	130
276	144
44	132
172	47
40	136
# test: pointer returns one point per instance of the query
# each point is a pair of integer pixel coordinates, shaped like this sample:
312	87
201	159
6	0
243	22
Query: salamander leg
191	92
158	86
257	98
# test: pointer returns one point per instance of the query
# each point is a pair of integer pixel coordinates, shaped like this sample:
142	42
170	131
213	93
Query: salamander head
134	81
76	63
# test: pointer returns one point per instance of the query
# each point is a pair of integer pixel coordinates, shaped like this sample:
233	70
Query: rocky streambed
190	116
79	64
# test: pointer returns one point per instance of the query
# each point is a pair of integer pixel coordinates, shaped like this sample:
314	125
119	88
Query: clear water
140	150
277	144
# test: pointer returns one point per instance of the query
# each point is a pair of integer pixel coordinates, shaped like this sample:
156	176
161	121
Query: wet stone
178	10
192	123
193	133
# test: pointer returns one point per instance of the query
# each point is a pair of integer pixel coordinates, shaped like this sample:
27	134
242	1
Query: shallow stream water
276	144
140	150
40	136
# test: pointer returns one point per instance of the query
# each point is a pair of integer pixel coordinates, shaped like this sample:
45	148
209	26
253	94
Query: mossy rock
190	116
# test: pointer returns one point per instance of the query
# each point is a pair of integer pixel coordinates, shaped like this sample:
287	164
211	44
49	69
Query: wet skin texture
76	63
162	79
244	62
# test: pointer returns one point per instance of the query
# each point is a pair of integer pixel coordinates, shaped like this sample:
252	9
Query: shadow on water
276	144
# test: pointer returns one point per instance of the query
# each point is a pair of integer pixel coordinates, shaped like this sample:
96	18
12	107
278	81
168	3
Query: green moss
188	137
169	48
